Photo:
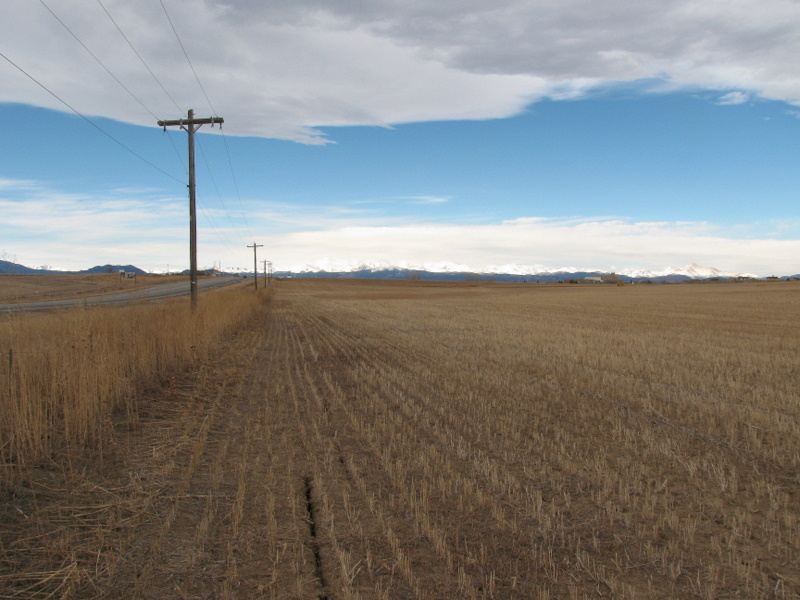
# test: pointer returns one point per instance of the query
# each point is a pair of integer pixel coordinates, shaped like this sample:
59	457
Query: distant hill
10	268
7	267
115	269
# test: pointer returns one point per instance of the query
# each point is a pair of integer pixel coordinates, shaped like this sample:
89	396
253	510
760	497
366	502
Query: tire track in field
274	557
477	470
331	448
398	499
580	475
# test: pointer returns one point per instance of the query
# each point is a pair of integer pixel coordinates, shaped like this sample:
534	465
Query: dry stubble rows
398	440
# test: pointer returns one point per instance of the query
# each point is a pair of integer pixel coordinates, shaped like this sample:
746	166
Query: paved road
151	293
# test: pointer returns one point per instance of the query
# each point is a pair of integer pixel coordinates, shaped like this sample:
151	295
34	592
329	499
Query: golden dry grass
64	373
422	440
29	288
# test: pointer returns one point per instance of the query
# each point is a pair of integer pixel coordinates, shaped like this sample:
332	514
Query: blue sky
659	136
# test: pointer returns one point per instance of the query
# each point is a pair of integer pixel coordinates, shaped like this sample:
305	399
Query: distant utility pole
269	273
191	125
255	262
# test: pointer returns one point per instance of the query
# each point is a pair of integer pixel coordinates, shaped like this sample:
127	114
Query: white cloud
77	231
734	98
551	243
428	199
16	184
284	69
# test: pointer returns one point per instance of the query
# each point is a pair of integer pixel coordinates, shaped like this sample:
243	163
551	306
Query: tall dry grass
64	373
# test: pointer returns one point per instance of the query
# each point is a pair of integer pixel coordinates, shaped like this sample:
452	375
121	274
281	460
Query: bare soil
400	441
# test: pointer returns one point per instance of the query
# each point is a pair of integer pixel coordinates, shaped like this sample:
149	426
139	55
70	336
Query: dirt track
330	455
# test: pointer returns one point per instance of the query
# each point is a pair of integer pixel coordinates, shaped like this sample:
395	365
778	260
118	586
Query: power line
177	152
94	56
235	184
149	70
214	182
99	62
212	223
139	56
92	123
175	31
213	111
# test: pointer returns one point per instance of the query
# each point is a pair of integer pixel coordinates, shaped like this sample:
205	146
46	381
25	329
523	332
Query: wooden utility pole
191	125
255	262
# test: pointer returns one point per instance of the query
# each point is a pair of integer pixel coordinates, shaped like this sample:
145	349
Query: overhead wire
99	62
146	66
212	223
214	112
180	43
85	118
107	70
214	183
208	216
235	184
139	56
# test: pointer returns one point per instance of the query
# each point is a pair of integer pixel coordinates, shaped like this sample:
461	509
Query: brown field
29	288
394	440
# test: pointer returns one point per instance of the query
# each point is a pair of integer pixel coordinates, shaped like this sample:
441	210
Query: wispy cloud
7	185
420	199
429	199
734	98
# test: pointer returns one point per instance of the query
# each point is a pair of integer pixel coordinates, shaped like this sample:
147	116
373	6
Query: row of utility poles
190	125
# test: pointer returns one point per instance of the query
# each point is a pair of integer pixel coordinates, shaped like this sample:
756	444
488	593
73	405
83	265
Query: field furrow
397	440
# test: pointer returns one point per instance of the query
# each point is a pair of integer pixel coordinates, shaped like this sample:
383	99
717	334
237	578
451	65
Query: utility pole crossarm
192	121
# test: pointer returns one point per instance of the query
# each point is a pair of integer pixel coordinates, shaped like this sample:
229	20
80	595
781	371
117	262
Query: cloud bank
574	244
282	70
42	225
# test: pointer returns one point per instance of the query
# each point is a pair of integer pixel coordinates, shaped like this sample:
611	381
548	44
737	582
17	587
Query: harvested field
29	288
423	440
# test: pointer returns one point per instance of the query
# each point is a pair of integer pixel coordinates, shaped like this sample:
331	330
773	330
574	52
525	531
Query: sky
516	135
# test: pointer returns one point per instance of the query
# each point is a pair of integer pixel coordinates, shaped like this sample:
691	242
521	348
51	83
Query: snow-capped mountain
690	271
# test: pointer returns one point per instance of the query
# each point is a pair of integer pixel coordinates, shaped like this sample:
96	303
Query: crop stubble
413	440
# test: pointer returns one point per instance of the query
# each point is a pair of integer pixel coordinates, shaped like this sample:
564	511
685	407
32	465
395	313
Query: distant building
613	278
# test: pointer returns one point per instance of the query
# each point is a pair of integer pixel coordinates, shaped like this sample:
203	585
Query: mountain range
527	273
445	271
